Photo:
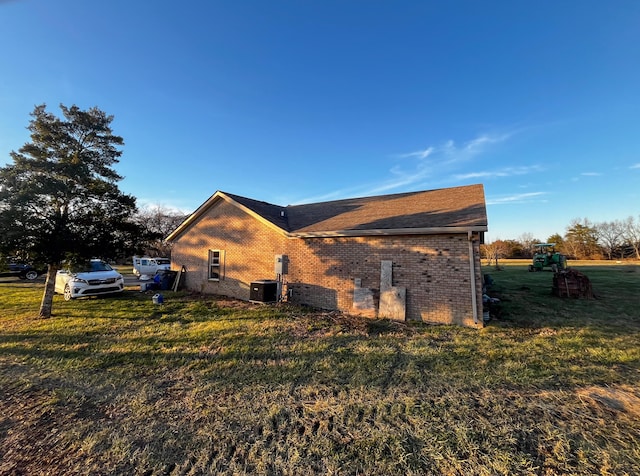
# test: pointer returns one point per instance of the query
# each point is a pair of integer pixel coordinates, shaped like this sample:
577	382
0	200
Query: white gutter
389	232
472	268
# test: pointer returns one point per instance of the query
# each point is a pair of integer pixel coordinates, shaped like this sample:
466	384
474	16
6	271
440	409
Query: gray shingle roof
268	211
450	207
459	208
446	207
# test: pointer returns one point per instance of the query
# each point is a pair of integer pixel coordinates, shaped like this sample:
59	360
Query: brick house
404	256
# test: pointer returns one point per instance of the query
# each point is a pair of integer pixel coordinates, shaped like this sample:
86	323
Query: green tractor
546	256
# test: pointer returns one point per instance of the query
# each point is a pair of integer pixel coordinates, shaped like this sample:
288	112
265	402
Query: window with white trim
216	265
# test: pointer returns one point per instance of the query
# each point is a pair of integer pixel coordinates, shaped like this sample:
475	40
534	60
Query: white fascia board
390	232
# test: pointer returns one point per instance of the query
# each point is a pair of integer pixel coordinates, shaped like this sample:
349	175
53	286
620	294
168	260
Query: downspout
472	268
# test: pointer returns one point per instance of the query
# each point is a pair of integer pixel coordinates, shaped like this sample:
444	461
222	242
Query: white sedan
97	277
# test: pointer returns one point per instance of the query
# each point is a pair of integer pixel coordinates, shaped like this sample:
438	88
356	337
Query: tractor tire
531	268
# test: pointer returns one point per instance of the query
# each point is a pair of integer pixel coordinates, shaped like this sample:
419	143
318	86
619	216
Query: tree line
582	240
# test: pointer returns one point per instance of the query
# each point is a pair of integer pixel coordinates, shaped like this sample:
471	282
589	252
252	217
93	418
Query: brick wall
249	250
435	269
321	271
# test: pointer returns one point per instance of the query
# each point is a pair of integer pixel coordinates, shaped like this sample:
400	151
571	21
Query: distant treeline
583	239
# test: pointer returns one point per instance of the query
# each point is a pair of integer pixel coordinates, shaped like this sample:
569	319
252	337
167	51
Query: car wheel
31	275
67	293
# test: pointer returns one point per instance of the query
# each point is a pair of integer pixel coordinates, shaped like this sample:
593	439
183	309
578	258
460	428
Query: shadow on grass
240	358
540	340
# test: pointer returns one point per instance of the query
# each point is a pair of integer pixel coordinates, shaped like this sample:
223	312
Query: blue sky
307	100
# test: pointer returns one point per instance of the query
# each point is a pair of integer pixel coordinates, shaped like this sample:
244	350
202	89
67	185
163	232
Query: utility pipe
472	268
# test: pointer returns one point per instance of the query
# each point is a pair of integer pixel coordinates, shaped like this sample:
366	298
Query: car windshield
90	267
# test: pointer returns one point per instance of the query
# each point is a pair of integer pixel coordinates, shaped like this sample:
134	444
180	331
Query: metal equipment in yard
570	283
546	256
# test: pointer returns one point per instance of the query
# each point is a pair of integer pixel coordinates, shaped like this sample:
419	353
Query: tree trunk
46	305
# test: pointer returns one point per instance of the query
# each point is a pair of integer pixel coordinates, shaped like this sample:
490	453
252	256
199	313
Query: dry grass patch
616	399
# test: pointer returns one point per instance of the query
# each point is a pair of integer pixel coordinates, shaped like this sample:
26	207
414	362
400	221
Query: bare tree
527	240
494	251
159	221
631	234
610	236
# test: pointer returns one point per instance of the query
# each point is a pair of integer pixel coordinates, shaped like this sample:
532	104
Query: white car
97	277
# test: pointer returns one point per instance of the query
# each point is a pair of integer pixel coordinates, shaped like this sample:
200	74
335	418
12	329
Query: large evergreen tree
59	199
581	239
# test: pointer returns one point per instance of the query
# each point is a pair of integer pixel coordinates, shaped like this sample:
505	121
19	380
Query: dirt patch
621	399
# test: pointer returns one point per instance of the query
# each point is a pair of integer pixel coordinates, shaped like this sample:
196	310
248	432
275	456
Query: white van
143	265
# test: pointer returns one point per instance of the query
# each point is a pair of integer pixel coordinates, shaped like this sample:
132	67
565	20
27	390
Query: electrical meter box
281	265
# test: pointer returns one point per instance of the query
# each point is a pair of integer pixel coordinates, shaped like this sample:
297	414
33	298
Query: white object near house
144	265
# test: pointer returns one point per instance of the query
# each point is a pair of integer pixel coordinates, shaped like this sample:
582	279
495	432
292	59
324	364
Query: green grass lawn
201	385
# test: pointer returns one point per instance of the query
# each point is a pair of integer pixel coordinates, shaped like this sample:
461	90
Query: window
216	264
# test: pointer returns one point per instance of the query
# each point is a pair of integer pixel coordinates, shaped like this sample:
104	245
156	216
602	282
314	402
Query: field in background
213	386
571	263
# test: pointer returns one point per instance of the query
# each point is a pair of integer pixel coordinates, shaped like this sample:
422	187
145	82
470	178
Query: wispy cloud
578	177
635	166
453	152
435	161
476	145
518	198
419	154
500	173
431	165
